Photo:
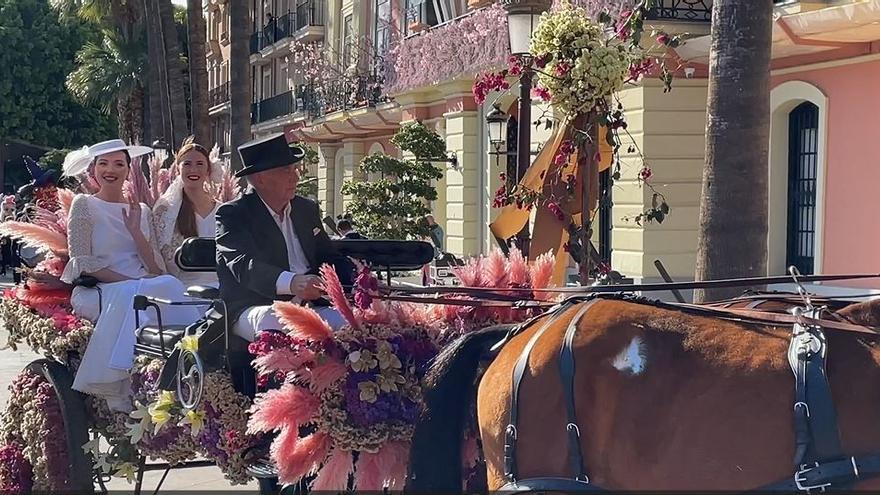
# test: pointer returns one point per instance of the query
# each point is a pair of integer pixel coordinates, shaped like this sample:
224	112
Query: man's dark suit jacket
251	252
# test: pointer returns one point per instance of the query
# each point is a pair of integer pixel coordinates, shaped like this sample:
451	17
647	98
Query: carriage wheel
73	415
190	379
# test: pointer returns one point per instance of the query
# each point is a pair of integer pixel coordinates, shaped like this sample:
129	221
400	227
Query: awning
808	32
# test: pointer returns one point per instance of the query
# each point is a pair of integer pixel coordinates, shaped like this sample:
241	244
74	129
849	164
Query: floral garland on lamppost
580	64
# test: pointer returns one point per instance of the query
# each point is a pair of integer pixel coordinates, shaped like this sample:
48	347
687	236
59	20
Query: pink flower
645	173
662	38
541	92
562	68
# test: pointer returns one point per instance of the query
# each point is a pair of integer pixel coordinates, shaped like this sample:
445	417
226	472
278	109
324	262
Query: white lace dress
164	218
97	239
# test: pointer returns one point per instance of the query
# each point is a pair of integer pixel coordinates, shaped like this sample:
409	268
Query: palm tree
167	93
733	207
239	76
109	74
198	73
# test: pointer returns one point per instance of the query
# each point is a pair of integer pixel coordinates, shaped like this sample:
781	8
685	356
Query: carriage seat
149	335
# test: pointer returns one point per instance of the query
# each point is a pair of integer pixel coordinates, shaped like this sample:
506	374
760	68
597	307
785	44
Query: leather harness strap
567	375
510	432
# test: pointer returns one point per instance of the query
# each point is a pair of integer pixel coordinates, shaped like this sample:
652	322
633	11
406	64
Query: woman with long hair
110	238
187	209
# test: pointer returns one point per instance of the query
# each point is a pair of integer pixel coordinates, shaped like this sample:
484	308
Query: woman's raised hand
132	218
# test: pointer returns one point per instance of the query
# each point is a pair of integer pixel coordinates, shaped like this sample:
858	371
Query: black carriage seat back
394	255
198	254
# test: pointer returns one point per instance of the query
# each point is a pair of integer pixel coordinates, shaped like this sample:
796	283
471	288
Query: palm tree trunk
174	72
136	107
733	208
239	77
198	74
158	110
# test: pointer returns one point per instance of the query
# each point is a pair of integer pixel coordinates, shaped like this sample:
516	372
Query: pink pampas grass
285	442
284	360
470	274
333	476
495	268
368	474
288	406
304	458
326	374
542	274
302	322
398	455
518	269
35	235
333	288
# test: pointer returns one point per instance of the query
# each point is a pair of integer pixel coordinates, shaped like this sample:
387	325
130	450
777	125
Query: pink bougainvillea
465	46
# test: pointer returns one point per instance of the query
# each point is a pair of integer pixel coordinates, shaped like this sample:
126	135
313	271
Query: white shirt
296	257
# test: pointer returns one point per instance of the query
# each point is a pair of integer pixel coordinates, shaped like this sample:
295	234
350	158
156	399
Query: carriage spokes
190	379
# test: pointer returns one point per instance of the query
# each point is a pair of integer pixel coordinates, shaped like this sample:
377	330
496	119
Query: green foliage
53	159
37	52
308	185
394	205
108	70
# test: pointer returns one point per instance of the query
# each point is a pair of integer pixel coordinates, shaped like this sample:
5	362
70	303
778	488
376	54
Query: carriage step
263	468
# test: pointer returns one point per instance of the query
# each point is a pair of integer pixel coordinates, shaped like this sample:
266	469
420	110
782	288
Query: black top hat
40	175
267	153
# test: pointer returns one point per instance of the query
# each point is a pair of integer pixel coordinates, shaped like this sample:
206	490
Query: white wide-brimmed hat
77	162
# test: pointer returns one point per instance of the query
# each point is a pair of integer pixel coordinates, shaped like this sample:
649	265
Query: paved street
205	478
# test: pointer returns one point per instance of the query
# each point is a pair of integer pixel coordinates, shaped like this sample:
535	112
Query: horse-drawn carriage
650	395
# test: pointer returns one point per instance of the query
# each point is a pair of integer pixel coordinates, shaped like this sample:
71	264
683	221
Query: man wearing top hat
271	242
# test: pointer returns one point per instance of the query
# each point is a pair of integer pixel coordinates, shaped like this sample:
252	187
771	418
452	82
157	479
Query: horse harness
819	462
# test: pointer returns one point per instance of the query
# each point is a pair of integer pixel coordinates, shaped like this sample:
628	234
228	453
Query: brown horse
664	400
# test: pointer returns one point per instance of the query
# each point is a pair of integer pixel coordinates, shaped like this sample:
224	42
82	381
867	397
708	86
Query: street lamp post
522	19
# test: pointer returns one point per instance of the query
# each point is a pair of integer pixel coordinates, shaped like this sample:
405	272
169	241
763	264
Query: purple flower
16	472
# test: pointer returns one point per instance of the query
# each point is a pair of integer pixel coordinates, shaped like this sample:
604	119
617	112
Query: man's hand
305	287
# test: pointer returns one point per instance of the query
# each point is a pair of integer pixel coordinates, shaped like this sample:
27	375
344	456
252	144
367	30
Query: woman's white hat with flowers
77	162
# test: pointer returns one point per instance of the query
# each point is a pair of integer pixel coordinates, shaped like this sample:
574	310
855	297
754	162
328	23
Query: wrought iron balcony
309	13
273	107
218	95
681	10
258	42
346	93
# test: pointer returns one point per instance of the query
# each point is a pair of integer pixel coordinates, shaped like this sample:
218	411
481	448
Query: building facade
403	60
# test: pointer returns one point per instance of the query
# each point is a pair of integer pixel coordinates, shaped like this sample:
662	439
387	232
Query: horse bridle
819	462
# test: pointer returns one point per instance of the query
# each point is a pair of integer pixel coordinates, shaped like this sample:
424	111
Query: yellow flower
165	400
369	391
159	417
387	358
362	360
388	381
126	470
196	419
189	343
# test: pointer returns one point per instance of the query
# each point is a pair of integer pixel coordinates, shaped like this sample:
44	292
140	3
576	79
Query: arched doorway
803	168
797	168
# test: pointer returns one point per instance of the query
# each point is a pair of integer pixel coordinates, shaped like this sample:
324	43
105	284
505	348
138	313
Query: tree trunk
174	72
158	109
733	206
239	77
198	74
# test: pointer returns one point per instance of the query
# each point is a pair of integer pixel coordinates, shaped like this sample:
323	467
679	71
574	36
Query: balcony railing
309	13
682	10
342	94
219	95
273	107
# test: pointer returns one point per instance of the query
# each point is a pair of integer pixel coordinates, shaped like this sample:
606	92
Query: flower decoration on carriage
357	390
349	400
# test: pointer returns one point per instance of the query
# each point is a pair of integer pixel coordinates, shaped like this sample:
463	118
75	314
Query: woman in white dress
187	209
110	238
